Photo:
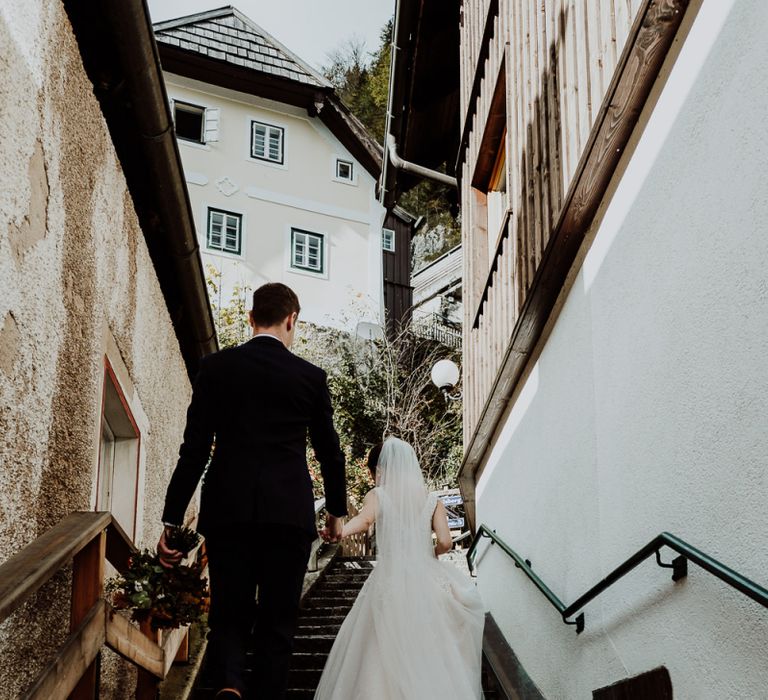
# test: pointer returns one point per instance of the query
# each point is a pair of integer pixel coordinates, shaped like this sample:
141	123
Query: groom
259	402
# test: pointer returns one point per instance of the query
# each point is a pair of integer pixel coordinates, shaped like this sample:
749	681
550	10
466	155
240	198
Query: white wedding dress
415	630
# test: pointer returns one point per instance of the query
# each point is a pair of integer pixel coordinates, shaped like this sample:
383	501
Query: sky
309	28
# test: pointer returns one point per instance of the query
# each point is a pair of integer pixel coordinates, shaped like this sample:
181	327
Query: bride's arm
364	519
440	528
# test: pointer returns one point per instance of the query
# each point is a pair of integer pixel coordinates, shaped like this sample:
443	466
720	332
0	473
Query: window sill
222	253
342	181
193	144
308	273
266	163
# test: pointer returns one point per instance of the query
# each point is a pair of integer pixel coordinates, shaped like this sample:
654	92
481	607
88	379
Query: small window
118	457
224	231
345	170
267	142
189	121
388	239
307	250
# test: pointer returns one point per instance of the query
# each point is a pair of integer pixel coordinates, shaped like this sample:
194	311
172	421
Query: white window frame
336	160
384	246
305	239
341	162
119	473
268	127
209	211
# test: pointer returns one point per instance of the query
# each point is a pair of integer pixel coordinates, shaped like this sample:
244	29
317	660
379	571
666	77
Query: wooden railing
87	540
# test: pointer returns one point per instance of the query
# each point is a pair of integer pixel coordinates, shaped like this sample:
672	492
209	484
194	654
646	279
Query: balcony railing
435	327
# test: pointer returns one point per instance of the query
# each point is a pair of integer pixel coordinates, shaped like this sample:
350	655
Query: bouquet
168	598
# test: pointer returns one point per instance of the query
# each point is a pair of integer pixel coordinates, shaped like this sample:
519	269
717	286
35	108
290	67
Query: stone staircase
323	611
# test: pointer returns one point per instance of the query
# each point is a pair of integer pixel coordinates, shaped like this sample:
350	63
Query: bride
415	630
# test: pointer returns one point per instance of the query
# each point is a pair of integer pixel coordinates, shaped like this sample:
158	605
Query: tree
230	318
361	79
383	387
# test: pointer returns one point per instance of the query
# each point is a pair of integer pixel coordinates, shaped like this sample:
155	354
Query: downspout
388	121
390	146
419	170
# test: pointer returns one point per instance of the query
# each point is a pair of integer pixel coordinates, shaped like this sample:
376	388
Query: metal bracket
679	566
578	622
527	561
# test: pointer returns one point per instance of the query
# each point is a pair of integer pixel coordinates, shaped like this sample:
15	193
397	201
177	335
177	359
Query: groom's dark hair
272	302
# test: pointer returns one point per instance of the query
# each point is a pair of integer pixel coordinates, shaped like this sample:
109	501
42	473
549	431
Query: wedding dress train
415	630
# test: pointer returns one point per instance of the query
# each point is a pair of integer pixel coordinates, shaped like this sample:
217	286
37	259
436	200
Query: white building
281	176
612	159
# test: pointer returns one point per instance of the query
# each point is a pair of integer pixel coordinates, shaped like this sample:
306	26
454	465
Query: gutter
119	53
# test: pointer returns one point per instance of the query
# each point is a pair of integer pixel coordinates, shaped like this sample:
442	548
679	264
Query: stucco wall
646	409
272	198
77	284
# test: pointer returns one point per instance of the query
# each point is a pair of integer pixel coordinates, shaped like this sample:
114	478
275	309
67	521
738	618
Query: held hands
168	557
332	532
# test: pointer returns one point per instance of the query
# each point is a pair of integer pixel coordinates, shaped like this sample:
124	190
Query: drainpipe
419	170
390	150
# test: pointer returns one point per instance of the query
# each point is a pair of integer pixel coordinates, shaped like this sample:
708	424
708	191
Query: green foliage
361	80
229	316
382	388
167	597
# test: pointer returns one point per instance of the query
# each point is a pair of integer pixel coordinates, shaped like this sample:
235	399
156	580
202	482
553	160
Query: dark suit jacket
260	401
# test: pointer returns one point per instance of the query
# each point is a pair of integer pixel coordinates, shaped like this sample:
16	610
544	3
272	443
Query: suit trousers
243	559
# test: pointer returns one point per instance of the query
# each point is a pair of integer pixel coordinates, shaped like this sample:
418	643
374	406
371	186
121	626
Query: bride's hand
332	532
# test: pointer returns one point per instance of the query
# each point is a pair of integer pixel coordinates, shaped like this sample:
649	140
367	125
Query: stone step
313	630
328	602
342	586
304	678
335	611
314	643
307	660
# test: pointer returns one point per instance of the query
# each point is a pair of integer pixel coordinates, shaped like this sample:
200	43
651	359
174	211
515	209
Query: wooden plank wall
398	292
557	58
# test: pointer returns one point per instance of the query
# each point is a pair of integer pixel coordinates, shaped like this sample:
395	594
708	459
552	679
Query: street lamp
445	375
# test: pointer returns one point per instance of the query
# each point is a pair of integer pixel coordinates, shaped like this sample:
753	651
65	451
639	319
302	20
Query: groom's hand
332	530
168	557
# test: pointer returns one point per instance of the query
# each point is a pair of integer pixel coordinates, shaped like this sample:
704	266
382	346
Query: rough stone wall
74	268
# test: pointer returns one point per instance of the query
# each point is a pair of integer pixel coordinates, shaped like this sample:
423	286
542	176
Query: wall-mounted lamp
445	375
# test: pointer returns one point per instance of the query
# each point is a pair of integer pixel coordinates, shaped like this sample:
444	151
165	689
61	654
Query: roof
228	35
424	103
120	57
224	47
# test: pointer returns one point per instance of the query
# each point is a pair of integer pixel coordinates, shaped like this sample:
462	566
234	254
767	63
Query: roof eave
119	54
320	102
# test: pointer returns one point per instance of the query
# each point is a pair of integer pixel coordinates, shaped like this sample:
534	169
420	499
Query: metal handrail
679	567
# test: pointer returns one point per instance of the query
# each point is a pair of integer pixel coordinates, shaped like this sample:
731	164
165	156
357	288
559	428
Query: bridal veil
415	631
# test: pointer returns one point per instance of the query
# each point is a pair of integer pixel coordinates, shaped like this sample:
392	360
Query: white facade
273	199
646	408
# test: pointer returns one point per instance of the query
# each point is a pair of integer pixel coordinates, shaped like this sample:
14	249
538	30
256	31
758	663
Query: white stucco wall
646	410
302	193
